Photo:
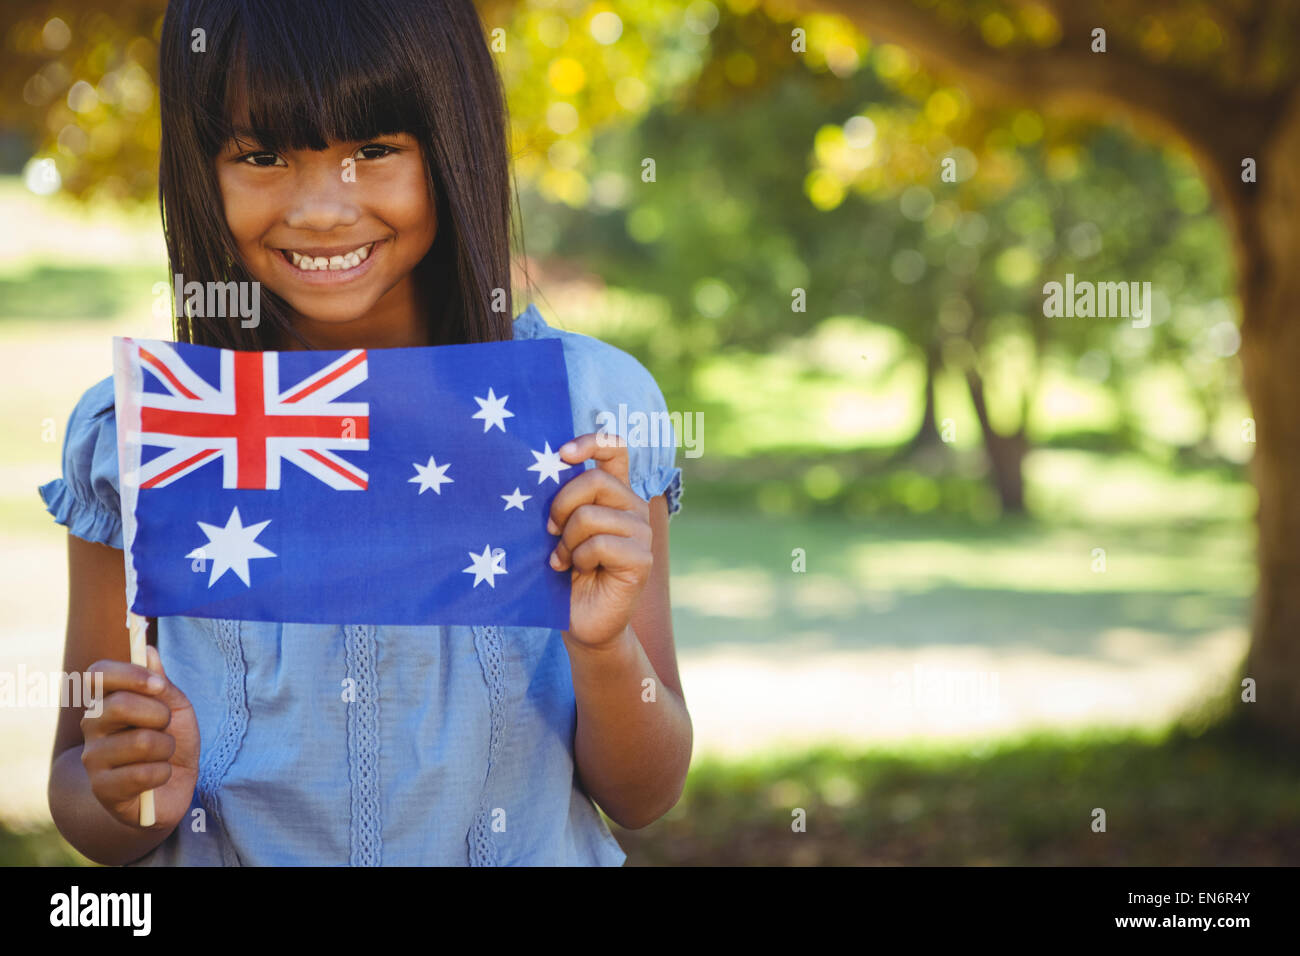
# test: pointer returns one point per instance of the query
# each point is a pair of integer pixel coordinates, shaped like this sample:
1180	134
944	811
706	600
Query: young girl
351	158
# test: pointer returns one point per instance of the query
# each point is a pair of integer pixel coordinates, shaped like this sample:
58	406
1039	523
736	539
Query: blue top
334	745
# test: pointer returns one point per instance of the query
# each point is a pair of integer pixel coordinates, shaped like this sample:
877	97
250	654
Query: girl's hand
605	536
143	739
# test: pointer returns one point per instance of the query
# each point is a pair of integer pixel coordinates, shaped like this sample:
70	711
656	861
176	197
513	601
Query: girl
351	158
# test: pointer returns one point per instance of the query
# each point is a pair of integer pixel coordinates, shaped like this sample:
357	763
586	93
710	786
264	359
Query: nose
321	201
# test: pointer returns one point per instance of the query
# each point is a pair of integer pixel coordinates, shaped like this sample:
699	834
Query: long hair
315	71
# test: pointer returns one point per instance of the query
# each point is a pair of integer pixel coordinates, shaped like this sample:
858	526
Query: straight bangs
305	74
300	75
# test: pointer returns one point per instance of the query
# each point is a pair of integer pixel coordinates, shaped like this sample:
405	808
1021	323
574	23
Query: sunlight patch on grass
1056	561
753	700
737	593
1126	488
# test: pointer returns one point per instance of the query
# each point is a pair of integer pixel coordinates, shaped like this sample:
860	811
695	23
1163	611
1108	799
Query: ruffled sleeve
653	461
612	391
86	498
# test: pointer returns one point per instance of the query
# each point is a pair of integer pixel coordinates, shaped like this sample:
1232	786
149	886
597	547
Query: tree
829	182
1225	80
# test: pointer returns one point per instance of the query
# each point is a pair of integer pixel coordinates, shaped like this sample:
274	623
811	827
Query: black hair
308	72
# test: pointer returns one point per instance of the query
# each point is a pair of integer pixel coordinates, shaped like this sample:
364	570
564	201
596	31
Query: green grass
39	846
910	582
76	292
1183	800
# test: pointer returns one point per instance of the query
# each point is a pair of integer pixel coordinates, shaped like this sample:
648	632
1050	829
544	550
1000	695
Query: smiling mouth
307	262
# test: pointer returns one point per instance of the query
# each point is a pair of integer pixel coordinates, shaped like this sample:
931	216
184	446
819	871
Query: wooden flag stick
126	390
139	627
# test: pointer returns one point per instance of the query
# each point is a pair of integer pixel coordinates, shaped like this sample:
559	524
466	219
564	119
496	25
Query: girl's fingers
600	519
123	709
119	675
607	450
593	487
155	664
138	746
126	783
170	694
589	520
612	551
129	698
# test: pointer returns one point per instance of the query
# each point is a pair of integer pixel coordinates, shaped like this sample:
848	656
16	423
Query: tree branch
1220	126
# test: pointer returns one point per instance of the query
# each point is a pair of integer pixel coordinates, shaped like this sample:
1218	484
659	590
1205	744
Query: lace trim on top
363	746
213	769
488	642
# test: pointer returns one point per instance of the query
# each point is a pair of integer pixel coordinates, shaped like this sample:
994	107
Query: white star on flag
485	565
231	547
493	411
548	465
432	475
515	500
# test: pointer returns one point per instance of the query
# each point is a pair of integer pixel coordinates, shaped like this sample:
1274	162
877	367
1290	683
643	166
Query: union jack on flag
447	454
250	423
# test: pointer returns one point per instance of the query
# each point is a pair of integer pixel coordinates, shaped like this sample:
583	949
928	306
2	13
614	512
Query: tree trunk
1267	233
1006	452
927	434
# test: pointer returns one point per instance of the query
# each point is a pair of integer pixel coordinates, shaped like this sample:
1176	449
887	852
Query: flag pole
126	388
139	627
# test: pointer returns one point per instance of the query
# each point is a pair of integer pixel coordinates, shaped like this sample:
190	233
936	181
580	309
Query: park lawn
1212	799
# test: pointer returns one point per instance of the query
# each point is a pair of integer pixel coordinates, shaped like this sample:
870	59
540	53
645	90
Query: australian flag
374	486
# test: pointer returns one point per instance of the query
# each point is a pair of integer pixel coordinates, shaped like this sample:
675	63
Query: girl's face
336	234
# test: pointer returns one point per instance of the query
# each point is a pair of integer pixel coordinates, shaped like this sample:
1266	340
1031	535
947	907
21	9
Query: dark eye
375	151
262	159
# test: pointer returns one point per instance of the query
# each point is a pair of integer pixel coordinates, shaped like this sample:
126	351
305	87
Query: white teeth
348	260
